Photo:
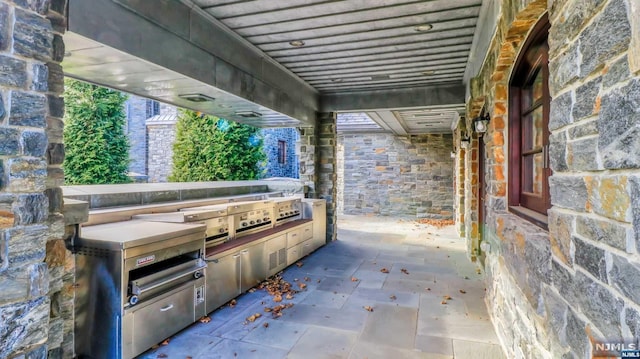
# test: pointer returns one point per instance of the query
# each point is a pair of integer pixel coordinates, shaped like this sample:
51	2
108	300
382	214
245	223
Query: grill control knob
258	221
197	274
133	300
244	224
221	230
252	222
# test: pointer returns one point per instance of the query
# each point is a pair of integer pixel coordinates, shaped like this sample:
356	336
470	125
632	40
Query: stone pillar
32	251
161	134
317	149
326	161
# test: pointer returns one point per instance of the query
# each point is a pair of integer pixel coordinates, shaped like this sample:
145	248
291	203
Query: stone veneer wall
271	137
391	175
317	151
136	108
557	293
35	269
161	133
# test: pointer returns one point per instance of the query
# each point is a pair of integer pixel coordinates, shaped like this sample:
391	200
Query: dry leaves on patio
205	319
403	270
368	308
384	270
438	223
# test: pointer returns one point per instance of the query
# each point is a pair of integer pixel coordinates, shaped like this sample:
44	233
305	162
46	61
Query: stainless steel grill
137	283
250	217
214	217
287	209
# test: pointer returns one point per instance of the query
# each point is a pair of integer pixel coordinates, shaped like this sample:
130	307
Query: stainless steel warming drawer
137	283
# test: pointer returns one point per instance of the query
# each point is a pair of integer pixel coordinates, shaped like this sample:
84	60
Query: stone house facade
562	283
556	286
151	129
388	175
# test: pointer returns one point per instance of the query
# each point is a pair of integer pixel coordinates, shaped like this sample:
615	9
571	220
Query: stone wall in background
389	175
273	168
557	293
34	301
136	110
161	133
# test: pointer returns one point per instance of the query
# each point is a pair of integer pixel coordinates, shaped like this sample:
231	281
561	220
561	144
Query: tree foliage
96	146
208	148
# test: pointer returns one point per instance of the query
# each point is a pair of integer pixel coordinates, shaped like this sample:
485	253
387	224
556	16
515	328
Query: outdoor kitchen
147	267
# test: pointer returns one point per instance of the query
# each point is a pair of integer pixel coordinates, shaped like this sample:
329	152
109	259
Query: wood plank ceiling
354	45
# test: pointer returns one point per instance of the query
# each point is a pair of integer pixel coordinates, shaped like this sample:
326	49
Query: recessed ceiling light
296	43
196	97
423	27
249	114
428	72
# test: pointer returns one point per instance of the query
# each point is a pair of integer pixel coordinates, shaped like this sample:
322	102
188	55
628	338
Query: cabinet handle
235	256
166	308
245	251
294	235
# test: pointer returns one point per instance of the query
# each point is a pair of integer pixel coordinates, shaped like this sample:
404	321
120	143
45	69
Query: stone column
326	163
32	252
317	149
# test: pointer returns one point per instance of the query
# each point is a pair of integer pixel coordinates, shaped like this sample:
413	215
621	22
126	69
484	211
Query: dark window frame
282	152
527	205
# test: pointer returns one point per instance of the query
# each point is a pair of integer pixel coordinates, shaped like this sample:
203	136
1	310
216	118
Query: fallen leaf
267	309
251	318
162	355
266	325
188	358
277	298
232	303
354	279
306	279
443	302
428	288
165	342
299	264
205	319
463	291
404	270
302	285
318	281
384	270
393	297
368	308
252	290
446	297
288	296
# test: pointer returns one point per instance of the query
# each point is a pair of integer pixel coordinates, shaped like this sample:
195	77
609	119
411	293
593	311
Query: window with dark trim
282	152
529	129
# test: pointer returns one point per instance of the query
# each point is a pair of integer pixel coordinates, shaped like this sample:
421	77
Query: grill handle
138	290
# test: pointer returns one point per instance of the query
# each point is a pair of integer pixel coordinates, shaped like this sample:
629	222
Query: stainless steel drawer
151	323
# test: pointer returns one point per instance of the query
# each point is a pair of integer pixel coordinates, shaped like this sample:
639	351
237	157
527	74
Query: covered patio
430	304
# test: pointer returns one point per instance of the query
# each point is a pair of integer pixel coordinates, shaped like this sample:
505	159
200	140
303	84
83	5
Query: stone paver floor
328	319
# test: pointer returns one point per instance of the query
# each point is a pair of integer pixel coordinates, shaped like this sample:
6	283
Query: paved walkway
430	304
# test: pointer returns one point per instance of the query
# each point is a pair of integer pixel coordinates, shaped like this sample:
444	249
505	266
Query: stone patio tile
338	284
463	349
367	296
185	344
322	298
435	345
400	284
365	350
278	334
370	279
323	343
326	317
228	348
392	326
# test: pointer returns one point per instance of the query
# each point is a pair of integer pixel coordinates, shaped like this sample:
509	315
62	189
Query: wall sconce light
464	142
481	123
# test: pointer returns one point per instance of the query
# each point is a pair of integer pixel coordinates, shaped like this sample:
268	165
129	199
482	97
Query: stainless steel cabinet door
253	268
223	280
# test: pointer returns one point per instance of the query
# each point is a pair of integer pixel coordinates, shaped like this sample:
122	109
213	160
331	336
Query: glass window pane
536	92
532	130
533	173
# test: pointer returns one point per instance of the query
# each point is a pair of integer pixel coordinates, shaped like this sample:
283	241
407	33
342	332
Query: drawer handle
235	256
245	251
294	235
166	308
